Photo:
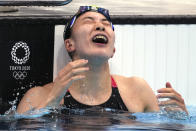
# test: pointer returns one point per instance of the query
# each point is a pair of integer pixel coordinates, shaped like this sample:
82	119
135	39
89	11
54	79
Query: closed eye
88	19
106	22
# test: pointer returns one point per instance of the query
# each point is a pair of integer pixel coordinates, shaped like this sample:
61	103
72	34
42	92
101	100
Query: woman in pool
86	81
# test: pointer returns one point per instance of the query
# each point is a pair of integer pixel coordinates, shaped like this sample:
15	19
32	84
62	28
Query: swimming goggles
82	10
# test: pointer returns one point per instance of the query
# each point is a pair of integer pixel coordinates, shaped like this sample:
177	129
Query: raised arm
52	94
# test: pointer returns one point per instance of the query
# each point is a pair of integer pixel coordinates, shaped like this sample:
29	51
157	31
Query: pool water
97	119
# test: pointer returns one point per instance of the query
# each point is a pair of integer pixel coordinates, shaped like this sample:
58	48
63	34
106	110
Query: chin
96	54
98	57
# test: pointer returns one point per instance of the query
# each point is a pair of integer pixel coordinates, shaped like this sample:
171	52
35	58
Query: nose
100	28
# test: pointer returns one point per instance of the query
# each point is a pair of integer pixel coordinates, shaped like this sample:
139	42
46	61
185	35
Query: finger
72	65
171	96
60	92
173	103
78	63
64	85
68	82
75	64
173	109
75	72
165	95
79	70
71	73
168	85
168	102
165	90
168	90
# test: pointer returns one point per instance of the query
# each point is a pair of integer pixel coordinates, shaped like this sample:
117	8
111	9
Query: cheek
78	39
113	36
113	39
80	34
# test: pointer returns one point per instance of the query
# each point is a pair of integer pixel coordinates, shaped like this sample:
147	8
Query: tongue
99	40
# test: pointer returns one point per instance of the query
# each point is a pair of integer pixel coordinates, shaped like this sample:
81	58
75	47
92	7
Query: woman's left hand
174	98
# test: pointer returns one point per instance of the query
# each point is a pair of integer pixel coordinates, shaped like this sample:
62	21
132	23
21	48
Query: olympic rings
19	75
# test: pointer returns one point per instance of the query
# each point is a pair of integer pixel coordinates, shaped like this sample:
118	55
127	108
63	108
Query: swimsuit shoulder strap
114	85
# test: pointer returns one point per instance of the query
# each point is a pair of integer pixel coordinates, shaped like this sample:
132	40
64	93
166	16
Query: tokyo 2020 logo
20	54
23	46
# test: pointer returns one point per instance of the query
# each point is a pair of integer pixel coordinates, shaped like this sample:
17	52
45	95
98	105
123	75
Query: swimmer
86	81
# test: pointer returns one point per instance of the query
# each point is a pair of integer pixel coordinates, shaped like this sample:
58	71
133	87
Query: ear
69	45
114	50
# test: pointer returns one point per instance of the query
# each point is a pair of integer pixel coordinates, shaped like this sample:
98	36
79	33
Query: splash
168	117
33	113
11	113
12	110
174	114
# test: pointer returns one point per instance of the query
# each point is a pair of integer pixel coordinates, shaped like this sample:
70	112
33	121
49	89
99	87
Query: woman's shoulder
134	82
132	79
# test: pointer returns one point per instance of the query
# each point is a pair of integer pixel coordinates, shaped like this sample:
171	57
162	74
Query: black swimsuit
114	102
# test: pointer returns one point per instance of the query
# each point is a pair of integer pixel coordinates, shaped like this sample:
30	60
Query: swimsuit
115	101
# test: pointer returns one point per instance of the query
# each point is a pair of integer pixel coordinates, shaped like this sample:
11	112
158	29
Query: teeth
100	37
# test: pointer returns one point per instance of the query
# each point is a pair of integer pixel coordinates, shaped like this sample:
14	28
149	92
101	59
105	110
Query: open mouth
101	39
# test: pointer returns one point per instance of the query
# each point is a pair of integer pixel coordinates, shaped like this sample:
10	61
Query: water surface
96	119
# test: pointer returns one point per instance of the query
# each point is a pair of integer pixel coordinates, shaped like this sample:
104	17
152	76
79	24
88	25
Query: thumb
168	85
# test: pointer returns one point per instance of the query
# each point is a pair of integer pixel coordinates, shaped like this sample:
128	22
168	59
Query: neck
97	80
